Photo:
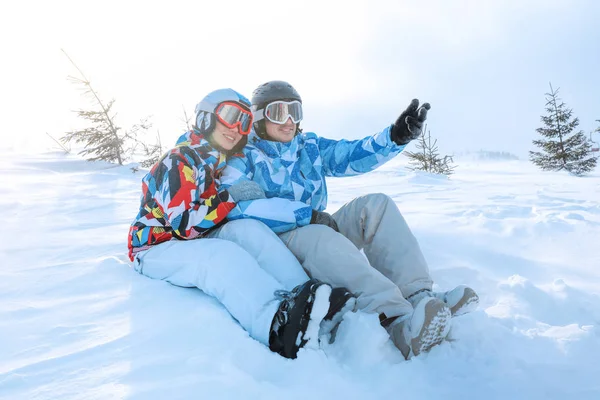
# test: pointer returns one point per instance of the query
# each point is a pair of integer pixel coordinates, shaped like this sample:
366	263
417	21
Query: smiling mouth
230	138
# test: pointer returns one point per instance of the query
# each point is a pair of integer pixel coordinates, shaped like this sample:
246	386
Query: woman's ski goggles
234	115
278	112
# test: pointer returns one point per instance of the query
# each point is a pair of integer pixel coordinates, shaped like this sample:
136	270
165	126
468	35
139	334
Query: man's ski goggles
278	112
234	115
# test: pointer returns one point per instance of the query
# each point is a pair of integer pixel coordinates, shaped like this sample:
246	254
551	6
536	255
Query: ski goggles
278	112
234	115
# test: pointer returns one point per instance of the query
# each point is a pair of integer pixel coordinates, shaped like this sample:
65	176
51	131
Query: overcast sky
483	65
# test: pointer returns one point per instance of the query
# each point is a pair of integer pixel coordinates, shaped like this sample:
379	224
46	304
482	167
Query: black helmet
272	91
267	93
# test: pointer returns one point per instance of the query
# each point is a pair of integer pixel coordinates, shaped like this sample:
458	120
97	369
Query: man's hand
409	124
246	190
323	218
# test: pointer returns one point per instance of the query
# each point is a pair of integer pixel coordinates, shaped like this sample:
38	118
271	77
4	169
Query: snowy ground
76	322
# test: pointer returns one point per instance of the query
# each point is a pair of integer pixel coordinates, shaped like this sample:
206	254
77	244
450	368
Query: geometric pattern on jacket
180	199
293	174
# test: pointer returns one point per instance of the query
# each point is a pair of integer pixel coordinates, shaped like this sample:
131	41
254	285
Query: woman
175	234
393	279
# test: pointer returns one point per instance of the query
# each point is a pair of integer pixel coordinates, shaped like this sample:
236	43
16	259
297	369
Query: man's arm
281	215
354	157
346	158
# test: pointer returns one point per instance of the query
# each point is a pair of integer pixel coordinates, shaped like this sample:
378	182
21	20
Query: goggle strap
259	115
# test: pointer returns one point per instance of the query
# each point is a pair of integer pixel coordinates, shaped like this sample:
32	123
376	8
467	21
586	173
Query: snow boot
341	301
296	322
461	300
426	327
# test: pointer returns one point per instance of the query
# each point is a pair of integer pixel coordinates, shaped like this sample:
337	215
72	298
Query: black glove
409	124
323	218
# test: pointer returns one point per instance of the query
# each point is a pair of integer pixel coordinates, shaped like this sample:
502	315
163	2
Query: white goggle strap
259	115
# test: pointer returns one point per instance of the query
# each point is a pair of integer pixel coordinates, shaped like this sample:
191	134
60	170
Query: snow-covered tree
564	147
428	158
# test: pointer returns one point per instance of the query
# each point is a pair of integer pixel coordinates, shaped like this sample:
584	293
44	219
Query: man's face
281	133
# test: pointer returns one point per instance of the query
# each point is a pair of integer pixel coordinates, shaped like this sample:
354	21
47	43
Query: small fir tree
151	153
187	120
595	143
428	158
565	148
103	139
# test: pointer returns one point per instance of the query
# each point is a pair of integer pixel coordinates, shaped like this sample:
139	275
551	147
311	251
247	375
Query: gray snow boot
461	300
426	327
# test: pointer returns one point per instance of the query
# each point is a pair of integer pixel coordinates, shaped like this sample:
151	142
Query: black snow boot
296	322
341	301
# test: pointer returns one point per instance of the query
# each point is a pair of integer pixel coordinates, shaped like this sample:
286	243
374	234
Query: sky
483	65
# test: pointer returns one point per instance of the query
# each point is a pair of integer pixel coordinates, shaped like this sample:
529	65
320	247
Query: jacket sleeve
281	215
348	158
191	204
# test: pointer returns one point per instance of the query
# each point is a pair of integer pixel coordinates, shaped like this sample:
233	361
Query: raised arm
354	157
347	158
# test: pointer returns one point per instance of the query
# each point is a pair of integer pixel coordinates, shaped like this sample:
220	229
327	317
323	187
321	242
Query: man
291	166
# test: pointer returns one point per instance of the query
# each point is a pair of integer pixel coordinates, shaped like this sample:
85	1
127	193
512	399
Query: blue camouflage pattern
293	174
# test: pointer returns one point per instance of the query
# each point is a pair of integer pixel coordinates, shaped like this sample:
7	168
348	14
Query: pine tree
429	159
187	120
152	153
103	139
564	147
595	143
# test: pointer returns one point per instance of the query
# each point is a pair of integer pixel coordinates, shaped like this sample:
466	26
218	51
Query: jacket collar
275	149
197	141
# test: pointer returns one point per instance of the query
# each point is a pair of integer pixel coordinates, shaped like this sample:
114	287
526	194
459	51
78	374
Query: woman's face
281	133
226	138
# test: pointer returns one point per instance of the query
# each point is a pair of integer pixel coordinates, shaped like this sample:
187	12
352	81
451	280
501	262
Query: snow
76	322
318	312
